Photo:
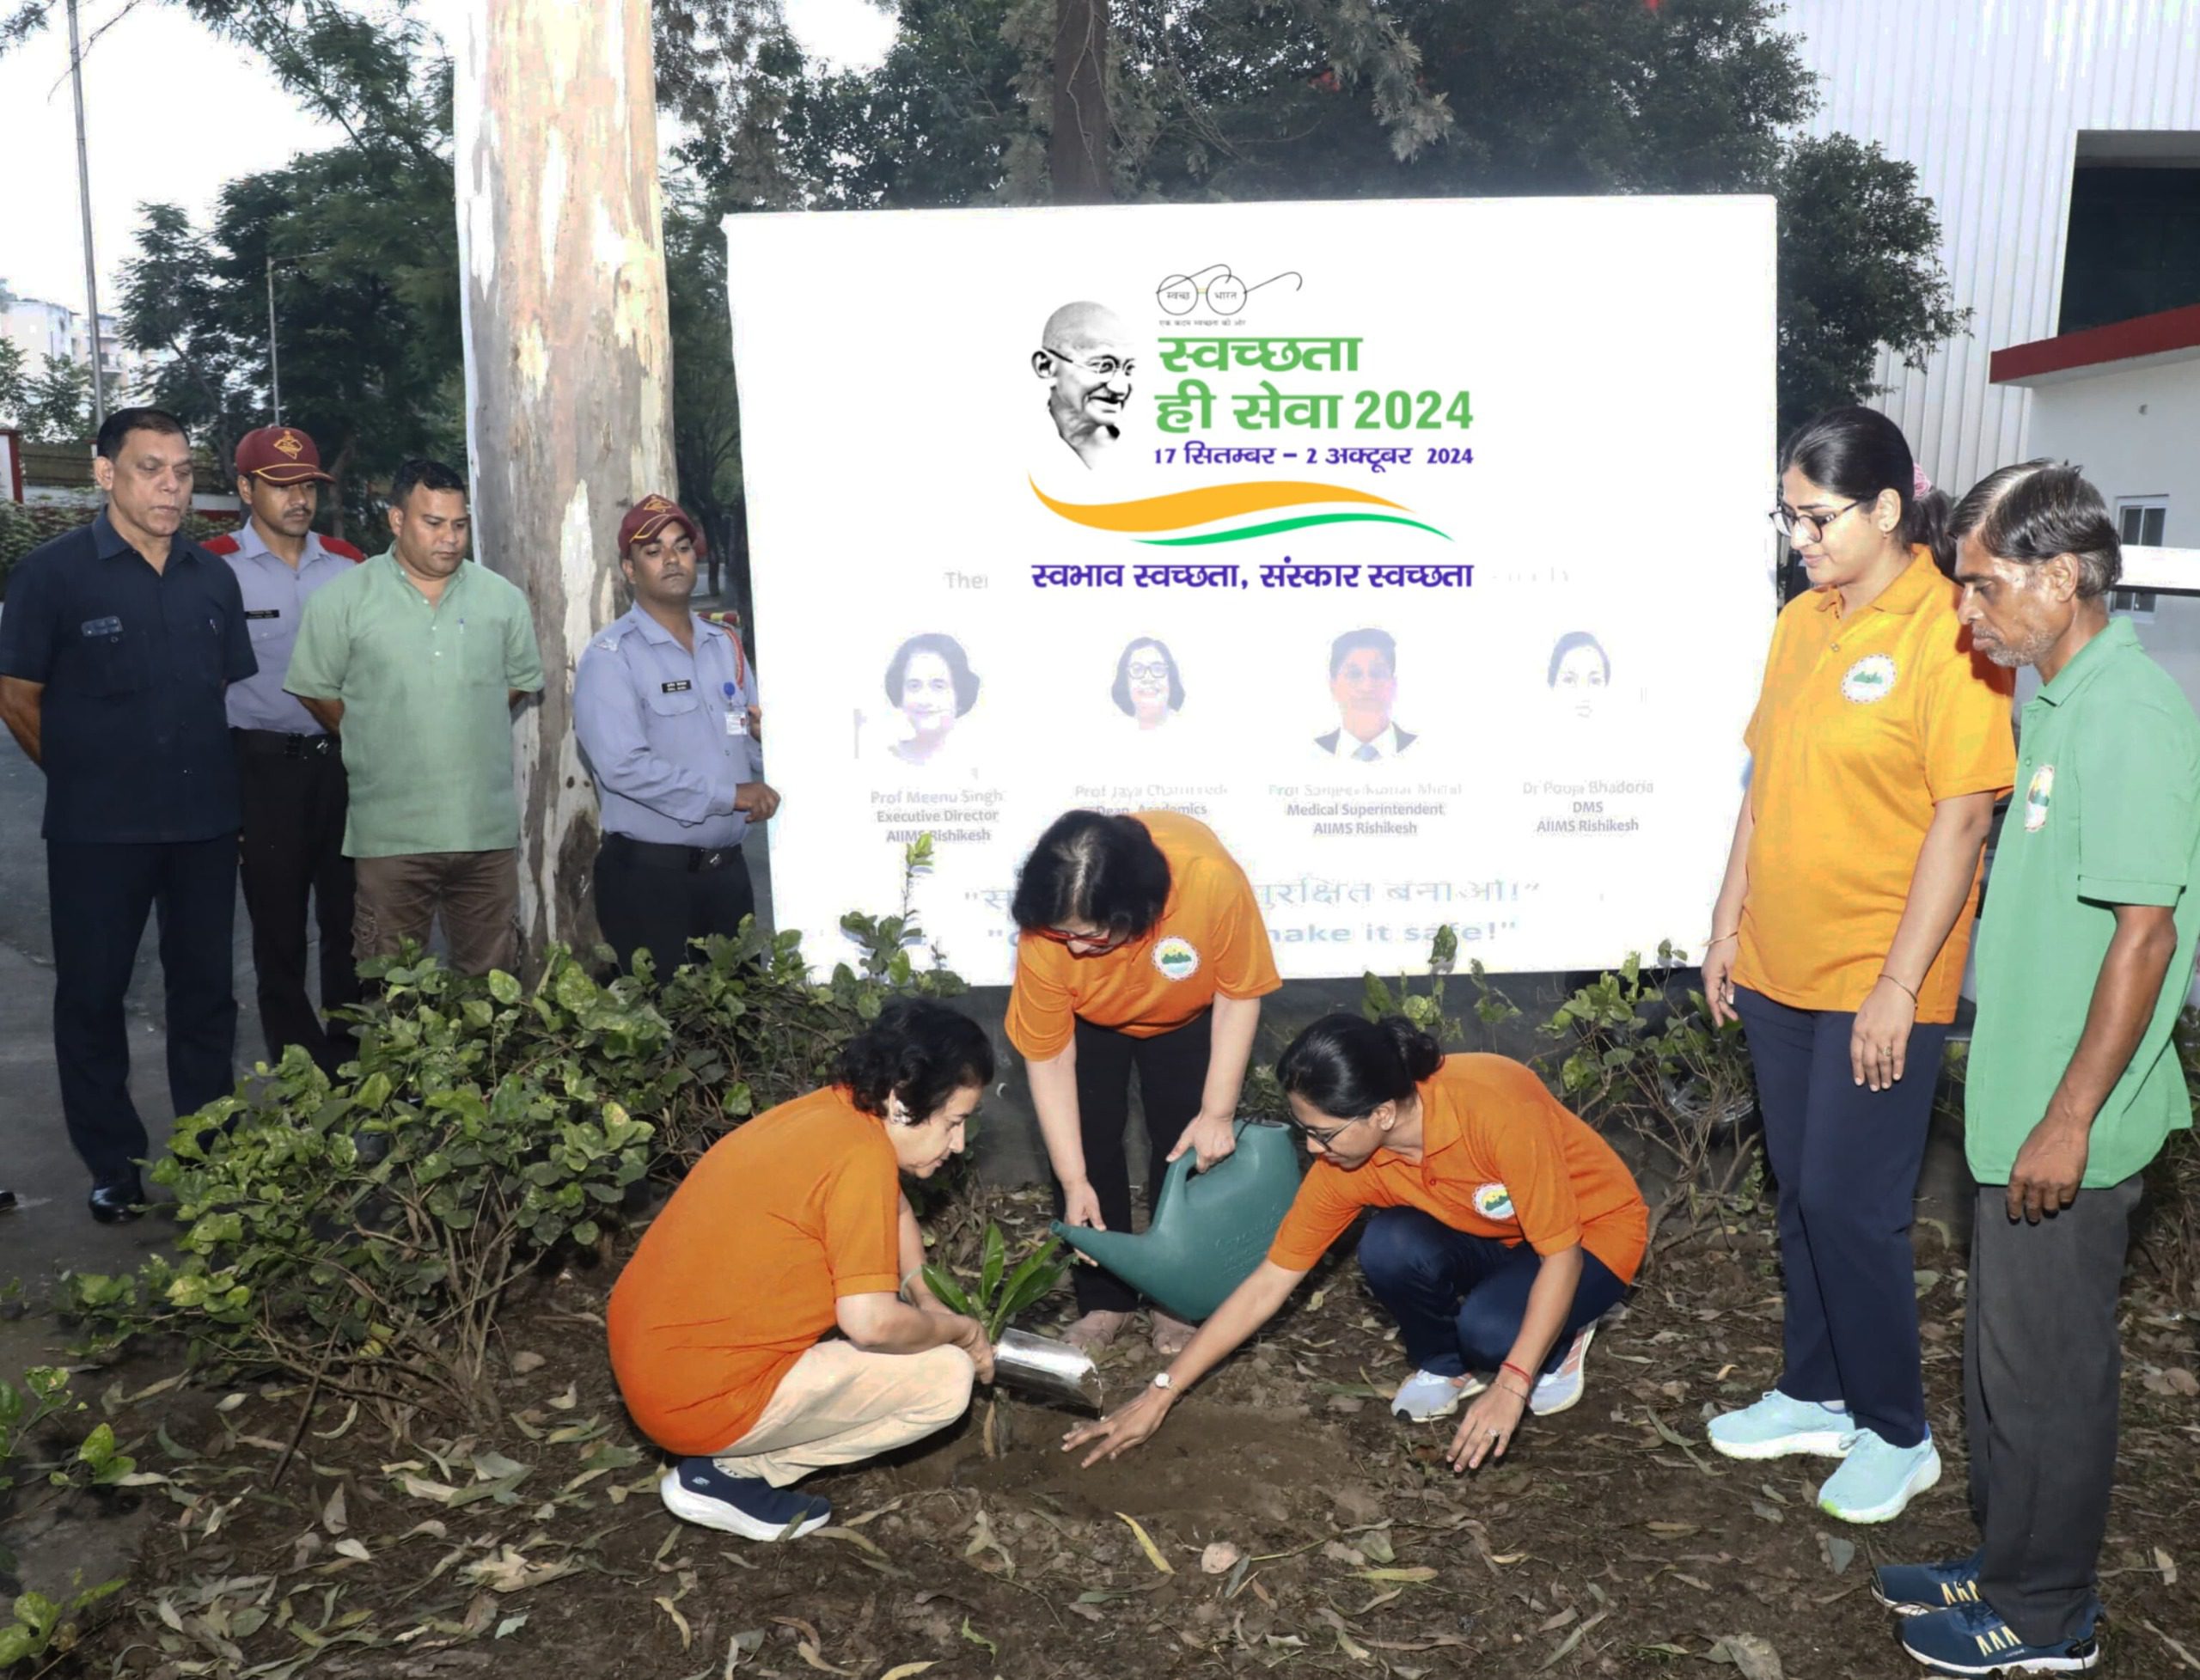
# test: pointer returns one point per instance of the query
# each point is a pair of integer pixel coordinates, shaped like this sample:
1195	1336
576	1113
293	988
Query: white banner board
1418	548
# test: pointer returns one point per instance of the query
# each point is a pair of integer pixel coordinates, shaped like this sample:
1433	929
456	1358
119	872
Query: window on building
2139	522
2133	245
2139	519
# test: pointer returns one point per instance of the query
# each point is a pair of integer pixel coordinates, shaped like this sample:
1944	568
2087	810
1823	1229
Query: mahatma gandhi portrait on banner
1085	359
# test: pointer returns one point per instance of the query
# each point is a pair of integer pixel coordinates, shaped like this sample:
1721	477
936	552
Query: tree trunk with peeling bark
568	366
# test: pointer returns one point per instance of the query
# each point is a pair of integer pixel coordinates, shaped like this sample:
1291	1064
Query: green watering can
1209	1230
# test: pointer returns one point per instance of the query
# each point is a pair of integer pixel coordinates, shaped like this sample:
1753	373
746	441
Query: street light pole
274	363
84	196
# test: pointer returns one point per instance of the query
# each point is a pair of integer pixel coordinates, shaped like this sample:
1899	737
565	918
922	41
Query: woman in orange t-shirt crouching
789	1228
1141	947
1879	744
1504	1229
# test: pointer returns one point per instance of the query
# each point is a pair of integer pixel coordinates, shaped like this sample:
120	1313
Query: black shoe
115	1200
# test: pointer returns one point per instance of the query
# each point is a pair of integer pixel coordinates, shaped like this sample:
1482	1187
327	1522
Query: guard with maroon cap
664	703
290	771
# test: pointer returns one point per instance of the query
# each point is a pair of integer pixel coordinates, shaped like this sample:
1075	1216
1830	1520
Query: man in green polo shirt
415	659
2085	954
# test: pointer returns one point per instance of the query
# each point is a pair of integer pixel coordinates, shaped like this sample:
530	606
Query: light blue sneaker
1876	1482
1428	1394
1778	1427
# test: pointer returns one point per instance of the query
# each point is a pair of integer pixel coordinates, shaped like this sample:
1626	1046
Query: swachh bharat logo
1174	520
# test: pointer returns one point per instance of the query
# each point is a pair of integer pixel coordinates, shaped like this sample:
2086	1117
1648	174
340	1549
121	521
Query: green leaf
503	987
949	1291
994	1263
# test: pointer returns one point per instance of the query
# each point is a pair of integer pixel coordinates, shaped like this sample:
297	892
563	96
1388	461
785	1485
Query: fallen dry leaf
687	1632
1146	1543
1221	1557
527	1362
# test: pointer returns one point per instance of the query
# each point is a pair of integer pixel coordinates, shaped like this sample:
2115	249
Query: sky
172	114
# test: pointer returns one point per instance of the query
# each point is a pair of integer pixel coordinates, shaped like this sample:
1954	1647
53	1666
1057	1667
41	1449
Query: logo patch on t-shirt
1176	958
1870	679
1494	1201
2037	795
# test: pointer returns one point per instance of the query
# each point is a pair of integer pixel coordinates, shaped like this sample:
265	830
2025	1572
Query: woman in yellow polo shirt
1879	744
1141	947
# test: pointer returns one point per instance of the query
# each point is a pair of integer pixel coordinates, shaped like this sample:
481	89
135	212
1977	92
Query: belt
652	854
273	743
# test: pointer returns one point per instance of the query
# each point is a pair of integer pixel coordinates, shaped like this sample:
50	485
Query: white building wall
2136	431
1986	97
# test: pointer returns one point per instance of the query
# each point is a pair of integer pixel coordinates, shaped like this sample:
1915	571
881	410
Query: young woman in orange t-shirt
1503	1228
1879	744
1141	946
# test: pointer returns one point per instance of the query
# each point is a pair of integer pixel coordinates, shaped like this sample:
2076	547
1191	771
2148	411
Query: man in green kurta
415	659
2084	955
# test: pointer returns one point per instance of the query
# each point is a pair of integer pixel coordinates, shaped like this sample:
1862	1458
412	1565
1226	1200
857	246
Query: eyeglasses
1100	367
1149	673
1789	521
1324	1135
1098	942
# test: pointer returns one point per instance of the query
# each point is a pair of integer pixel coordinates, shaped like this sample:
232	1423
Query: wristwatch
1161	1381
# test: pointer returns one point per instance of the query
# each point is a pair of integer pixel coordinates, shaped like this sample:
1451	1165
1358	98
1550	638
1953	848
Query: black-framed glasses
1324	1135
1790	521
1149	672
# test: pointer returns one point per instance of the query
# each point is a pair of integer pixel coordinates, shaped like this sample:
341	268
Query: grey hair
2037	510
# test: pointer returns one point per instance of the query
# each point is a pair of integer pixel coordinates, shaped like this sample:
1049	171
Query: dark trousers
645	900
292	850
1847	1159
1171	1078
98	897
2041	1365
1458	1298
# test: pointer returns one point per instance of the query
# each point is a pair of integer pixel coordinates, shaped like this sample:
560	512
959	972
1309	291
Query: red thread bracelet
1515	1371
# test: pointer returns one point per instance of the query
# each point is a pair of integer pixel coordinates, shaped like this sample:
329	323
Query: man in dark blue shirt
115	648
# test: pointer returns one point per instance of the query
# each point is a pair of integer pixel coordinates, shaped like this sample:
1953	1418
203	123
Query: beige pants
839	1404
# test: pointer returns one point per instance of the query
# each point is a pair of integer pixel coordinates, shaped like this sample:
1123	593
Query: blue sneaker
1970	1639
1912	1589
696	1490
1876	1482
1778	1427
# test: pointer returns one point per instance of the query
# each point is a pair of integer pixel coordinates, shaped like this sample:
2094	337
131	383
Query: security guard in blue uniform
665	707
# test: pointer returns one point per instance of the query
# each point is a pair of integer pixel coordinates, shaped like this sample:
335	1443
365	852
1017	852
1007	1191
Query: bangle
1892	981
1721	938
903	1292
1520	1394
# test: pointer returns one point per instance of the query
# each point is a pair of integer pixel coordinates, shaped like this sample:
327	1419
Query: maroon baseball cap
279	454
648	517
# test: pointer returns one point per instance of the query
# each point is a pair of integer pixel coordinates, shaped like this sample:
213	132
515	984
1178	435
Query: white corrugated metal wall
1987	99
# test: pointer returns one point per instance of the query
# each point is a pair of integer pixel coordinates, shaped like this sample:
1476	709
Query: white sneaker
1428	1394
1555	1390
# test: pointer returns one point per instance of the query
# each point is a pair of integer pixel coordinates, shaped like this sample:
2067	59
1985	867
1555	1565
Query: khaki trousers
838	1405
476	893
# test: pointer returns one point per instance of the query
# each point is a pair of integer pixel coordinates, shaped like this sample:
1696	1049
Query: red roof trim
2118	341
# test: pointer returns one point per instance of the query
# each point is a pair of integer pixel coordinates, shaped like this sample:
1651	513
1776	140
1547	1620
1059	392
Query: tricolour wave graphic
1184	511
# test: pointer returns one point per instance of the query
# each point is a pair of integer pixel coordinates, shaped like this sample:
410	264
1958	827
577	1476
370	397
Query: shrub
363	1236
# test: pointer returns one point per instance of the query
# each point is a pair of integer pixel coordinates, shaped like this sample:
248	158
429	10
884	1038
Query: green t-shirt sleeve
322	649
2137	819
523	657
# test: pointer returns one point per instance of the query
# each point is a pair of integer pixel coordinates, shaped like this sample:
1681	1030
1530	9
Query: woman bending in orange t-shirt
1879	746
1504	1229
1141	947
790	1227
